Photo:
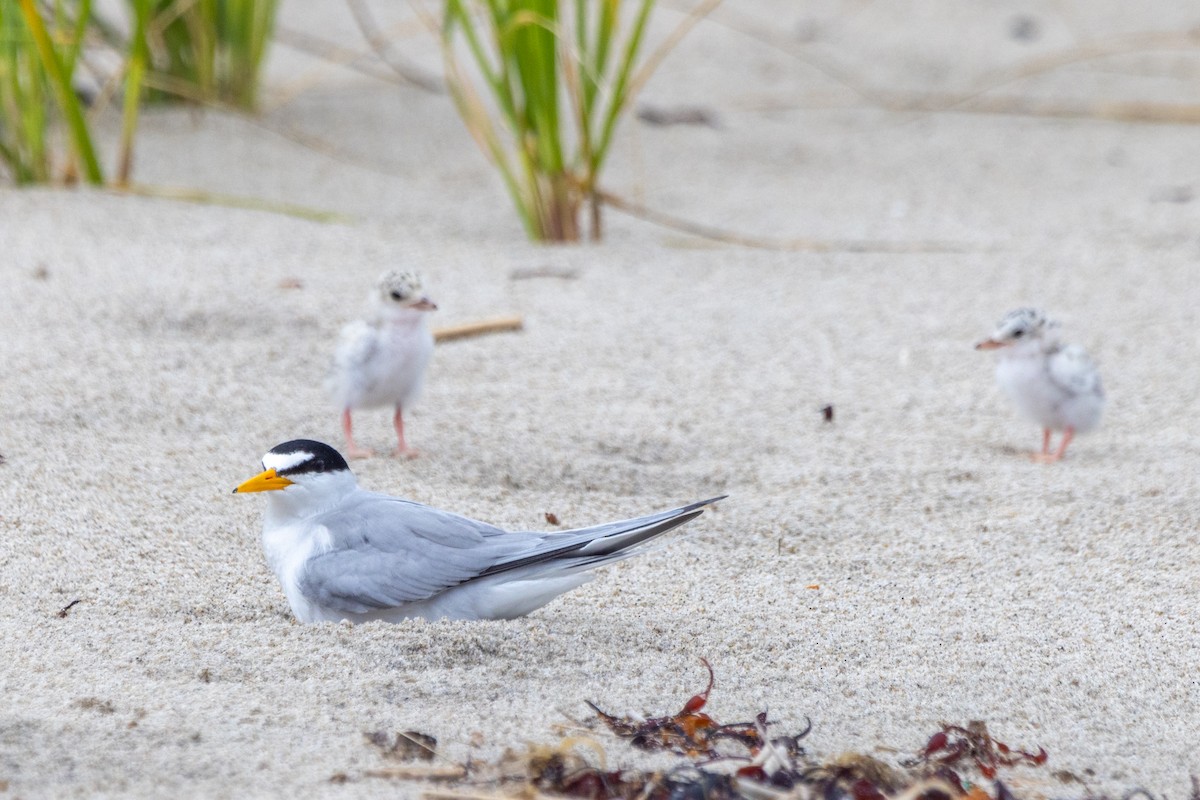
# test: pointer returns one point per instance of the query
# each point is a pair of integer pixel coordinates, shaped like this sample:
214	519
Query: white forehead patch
281	461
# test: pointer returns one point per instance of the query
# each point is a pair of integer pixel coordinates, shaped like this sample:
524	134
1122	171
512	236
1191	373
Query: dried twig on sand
420	772
480	328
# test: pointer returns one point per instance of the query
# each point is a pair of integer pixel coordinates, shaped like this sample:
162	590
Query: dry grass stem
731	19
480	328
1125	45
234	201
419	772
802	245
1148	41
334	54
525	793
382	45
1116	111
655	59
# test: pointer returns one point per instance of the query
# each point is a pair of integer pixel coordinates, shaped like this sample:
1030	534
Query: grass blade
68	103
137	64
542	77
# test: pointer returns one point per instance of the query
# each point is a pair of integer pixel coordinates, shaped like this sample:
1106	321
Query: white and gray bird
343	553
1055	385
381	360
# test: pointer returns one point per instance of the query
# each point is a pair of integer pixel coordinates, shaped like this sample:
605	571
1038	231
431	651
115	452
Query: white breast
288	547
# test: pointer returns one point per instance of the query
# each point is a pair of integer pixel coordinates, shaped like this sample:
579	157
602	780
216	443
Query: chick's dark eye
397	296
1018	333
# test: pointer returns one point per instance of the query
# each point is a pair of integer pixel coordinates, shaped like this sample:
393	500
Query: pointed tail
603	543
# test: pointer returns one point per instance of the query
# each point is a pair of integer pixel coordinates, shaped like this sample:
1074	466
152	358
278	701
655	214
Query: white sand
146	374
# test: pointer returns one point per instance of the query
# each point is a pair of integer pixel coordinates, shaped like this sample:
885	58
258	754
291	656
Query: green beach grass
38	57
555	82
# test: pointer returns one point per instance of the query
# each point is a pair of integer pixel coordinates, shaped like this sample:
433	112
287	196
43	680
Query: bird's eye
397	296
1018	333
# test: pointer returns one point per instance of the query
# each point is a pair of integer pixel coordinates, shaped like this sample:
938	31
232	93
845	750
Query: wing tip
701	504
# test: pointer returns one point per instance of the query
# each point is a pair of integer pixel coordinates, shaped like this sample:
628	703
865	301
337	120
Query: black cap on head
320	457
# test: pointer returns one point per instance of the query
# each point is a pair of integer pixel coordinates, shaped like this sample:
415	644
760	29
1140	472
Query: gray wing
1073	371
387	551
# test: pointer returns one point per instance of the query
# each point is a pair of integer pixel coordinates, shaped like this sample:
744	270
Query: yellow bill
265	481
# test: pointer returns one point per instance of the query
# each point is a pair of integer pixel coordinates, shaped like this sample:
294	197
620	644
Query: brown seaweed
955	743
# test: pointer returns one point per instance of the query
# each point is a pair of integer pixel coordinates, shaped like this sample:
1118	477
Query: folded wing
387	551
1073	371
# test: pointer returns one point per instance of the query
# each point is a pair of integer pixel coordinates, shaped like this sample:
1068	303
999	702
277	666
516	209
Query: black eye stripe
311	465
323	457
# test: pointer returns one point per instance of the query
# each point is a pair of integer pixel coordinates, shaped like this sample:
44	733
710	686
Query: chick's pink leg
1068	435
1046	457
352	450
401	447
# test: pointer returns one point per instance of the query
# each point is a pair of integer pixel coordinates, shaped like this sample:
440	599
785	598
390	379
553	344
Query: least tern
1055	385
343	553
381	360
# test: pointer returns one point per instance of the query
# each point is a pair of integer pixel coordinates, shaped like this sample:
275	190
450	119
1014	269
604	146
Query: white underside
496	598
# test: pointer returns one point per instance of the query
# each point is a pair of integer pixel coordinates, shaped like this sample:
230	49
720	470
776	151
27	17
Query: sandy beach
902	566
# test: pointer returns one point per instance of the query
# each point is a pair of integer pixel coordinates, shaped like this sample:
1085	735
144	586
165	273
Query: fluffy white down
382	361
1056	387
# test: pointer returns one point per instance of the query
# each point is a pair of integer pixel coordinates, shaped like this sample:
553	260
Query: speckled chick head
1024	323
1019	326
399	287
